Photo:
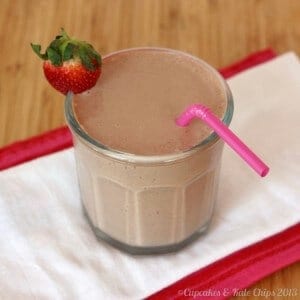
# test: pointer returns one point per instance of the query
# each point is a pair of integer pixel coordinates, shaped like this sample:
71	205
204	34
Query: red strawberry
69	64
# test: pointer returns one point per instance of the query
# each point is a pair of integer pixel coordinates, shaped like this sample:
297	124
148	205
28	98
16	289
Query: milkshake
147	185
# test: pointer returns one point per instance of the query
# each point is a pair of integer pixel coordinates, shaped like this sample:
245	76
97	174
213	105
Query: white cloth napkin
48	251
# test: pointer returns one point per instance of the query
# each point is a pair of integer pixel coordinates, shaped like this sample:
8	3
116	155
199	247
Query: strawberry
70	64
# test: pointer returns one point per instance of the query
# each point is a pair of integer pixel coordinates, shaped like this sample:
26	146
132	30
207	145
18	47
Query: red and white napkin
48	251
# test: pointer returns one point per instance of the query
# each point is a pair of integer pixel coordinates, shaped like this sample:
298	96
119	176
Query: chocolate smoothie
148	185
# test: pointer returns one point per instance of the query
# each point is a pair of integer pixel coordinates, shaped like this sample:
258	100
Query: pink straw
203	113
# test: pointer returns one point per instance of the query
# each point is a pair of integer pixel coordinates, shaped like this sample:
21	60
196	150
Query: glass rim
145	159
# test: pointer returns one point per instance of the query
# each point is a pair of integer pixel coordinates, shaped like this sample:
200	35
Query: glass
148	204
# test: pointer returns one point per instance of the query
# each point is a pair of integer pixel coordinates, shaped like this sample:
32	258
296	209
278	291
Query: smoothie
148	186
133	106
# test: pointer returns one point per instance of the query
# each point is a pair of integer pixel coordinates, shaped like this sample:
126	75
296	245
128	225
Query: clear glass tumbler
148	204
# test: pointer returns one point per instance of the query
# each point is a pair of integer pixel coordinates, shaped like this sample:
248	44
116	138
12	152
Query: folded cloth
48	251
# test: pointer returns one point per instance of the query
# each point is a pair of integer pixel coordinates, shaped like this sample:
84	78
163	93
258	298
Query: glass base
140	250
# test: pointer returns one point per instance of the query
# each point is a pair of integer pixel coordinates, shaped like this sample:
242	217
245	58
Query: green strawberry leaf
55	45
85	59
37	50
54	56
67	51
95	55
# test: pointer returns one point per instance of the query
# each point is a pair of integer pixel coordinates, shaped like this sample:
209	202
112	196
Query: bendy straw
203	113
